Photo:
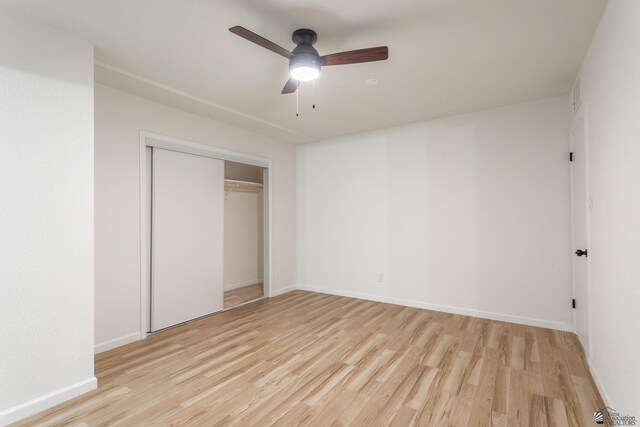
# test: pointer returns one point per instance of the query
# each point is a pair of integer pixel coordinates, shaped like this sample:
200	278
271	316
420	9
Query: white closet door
187	237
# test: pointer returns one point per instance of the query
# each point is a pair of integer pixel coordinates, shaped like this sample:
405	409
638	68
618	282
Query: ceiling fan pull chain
313	97
297	112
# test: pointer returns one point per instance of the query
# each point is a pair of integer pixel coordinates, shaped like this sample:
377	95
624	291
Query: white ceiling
445	56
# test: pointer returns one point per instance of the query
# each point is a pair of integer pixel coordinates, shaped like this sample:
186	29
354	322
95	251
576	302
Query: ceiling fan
304	61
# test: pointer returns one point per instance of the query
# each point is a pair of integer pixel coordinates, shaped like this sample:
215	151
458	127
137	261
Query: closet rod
235	185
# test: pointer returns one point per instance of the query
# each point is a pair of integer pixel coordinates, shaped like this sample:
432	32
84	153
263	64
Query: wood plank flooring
235	297
311	359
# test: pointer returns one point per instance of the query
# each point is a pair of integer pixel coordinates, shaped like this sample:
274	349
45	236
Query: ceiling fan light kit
304	61
305	73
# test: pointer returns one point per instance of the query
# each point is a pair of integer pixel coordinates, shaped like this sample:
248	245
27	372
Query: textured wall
46	215
467	214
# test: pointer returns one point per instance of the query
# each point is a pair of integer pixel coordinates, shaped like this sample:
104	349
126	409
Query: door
186	237
580	218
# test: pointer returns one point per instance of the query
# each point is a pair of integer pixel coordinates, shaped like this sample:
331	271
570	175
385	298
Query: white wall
242	239
119	118
610	79
46	217
242	172
468	214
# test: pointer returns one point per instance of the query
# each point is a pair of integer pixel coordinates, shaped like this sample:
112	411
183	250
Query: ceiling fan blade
379	53
259	40
291	86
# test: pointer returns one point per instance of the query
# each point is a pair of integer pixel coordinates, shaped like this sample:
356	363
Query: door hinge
573	303
571	156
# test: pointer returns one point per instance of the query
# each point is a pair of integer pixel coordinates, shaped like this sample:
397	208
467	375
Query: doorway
580	207
243	234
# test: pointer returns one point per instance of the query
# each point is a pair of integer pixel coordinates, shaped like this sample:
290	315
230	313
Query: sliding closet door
187	237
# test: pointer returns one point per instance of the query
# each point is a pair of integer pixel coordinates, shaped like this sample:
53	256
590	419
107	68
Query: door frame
581	114
154	140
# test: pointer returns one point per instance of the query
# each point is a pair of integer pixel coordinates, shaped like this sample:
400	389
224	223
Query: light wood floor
311	359
241	295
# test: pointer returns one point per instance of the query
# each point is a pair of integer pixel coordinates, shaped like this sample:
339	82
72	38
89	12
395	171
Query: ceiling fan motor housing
304	36
304	54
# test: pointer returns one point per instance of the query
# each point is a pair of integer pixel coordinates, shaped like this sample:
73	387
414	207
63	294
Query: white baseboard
281	291
598	381
445	308
47	401
117	342
241	284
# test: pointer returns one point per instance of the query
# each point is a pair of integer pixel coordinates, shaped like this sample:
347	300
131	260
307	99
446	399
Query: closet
205	235
243	231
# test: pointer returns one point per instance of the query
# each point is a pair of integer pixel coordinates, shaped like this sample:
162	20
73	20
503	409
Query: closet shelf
234	185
